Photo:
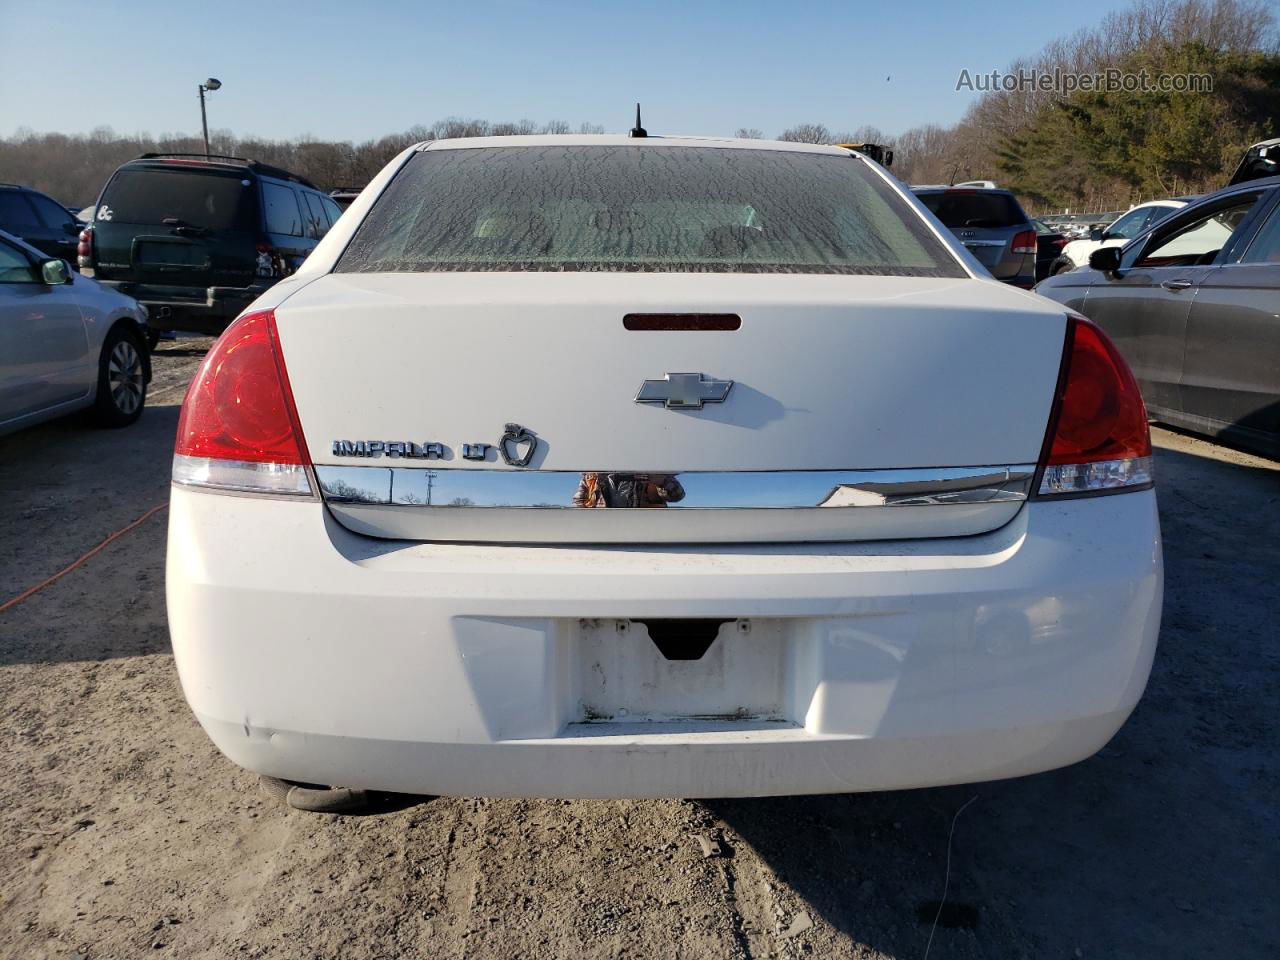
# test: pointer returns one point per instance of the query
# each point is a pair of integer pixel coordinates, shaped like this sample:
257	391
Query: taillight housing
84	248
1024	242
239	427
1098	440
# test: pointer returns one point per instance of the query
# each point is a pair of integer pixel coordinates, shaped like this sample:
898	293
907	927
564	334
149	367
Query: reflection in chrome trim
546	489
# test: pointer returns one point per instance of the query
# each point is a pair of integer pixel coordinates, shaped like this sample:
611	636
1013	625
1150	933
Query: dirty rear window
956	208
217	201
643	208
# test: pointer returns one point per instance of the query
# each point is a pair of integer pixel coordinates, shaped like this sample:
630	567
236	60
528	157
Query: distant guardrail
1064	219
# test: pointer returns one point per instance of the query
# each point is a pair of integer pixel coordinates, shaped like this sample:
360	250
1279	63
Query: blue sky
358	70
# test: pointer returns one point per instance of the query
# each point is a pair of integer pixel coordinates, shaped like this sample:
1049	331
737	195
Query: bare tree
749	133
806	133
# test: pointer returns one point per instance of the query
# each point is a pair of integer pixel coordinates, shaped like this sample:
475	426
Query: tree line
1104	150
73	168
1095	150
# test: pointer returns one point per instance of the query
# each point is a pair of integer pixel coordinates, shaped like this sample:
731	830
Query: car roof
161	161
22	189
1172	202
622	140
22	244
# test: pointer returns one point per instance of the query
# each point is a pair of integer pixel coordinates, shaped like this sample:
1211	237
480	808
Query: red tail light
239	426
1098	440
84	249
1024	242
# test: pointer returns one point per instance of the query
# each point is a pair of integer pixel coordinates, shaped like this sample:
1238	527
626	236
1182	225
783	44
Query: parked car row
173	242
1076	226
1193	303
198	239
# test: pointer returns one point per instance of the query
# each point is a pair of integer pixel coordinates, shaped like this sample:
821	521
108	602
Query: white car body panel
825	368
943	643
311	653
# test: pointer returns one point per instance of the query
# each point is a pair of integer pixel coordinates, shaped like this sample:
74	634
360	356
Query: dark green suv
197	238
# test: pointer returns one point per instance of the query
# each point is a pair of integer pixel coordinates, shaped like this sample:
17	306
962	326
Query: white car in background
1125	228
67	343
635	467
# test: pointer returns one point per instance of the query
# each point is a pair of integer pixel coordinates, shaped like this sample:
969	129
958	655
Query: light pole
211	84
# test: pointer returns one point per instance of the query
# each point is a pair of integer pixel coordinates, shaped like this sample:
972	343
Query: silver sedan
67	343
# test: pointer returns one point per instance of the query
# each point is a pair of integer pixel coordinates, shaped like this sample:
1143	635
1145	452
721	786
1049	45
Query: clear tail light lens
1024	242
270	263
239	427
1098	440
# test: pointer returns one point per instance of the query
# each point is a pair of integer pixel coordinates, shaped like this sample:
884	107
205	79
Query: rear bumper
310	653
201	309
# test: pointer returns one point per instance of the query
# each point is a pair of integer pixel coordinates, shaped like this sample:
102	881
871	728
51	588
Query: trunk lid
829	373
988	244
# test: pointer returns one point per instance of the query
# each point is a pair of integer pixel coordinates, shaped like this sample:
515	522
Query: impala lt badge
516	446
684	391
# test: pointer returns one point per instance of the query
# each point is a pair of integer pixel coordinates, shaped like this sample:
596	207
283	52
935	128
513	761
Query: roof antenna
637	130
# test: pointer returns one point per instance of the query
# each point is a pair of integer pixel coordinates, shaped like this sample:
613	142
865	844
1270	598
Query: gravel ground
123	831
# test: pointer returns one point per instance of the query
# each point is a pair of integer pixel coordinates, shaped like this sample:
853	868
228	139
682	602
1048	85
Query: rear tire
122	380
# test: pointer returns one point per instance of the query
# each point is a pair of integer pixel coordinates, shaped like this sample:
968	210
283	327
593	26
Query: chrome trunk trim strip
453	489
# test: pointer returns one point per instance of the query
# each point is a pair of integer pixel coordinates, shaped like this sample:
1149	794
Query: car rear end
183	236
1049	243
604	468
992	226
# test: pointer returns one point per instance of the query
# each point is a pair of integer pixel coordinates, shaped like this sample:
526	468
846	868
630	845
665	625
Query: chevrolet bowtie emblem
683	391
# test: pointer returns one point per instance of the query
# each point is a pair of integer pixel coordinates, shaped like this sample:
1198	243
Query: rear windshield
643	208
958	209
218	201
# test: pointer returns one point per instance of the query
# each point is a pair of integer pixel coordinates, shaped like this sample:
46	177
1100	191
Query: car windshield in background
216	201
643	208
957	208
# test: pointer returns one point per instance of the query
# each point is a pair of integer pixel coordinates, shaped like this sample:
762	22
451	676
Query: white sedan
66	343
634	467
1117	234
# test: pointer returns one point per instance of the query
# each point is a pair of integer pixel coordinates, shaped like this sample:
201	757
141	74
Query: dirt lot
123	832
